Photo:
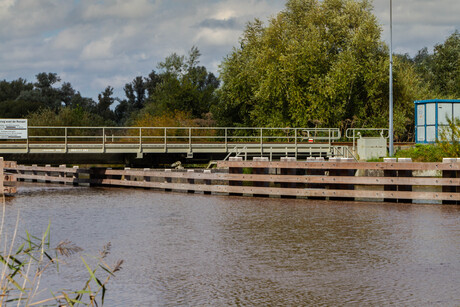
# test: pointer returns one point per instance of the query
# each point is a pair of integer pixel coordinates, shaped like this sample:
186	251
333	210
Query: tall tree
317	63
182	85
105	100
446	66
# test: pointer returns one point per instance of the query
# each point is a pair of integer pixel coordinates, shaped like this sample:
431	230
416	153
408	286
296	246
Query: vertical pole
226	141
295	141
261	142
165	134
65	139
103	139
140	139
391	80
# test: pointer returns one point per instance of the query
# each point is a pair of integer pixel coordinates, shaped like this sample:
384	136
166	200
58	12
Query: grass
23	264
425	153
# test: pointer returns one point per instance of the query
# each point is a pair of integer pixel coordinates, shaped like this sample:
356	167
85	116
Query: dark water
197	250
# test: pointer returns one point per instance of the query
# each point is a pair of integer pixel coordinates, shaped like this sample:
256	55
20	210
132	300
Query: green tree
317	63
446	66
66	116
181	85
105	101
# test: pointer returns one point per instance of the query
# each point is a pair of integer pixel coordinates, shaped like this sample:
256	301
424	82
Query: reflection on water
182	249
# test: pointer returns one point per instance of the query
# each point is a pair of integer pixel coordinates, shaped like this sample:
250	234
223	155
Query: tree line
315	64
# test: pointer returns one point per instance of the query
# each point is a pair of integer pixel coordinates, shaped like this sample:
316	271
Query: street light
391	82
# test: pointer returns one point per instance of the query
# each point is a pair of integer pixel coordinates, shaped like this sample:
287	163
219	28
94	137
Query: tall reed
24	263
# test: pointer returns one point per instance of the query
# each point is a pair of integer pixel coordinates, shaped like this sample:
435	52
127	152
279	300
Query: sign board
13	128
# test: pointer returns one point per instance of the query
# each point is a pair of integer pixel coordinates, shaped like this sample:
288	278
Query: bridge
152	145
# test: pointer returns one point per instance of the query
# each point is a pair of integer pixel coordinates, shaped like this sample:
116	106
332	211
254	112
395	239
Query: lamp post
391	83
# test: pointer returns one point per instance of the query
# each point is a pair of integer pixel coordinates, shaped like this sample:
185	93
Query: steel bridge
186	142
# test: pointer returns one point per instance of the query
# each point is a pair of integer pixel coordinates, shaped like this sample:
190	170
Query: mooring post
125	176
390	173
47	173
168	179
449	174
315	172
62	174
190	180
76	176
146	178
404	173
34	172
207	182
332	173
288	171
260	171
235	170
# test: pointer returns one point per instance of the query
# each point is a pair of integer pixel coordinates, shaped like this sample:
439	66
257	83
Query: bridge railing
166	135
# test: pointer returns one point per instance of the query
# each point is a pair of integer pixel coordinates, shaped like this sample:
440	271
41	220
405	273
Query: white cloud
100	49
119	9
109	42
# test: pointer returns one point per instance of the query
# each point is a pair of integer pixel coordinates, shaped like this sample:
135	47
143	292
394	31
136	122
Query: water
200	250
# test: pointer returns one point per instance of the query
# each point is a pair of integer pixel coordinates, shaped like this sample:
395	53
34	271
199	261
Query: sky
96	43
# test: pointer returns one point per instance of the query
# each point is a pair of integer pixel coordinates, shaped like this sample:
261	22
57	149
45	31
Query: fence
335	179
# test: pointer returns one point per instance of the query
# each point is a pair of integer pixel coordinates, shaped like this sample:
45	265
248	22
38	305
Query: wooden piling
235	170
390	173
260	171
405	174
450	174
289	171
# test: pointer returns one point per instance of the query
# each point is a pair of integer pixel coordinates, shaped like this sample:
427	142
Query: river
205	250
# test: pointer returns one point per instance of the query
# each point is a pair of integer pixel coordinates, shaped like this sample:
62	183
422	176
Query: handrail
144	136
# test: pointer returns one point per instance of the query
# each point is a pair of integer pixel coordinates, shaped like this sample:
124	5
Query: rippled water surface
189	250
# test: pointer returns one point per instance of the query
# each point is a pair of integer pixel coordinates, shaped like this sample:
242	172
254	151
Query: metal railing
189	135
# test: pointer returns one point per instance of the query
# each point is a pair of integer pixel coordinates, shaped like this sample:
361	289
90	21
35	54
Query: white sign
13	128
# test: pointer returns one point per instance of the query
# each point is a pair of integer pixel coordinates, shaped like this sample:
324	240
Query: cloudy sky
96	43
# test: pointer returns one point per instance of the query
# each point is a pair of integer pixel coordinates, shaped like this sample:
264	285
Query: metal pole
391	80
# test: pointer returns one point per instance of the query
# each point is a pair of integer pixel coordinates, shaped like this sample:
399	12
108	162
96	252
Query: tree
181	85
317	63
105	101
446	66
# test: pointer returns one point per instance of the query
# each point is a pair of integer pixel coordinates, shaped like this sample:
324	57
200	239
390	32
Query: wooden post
168	179
313	172
449	174
404	173
34	172
235	170
127	177
47	173
334	173
260	171
288	171
146	177
390	173
207	181
62	174
75	176
190	180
